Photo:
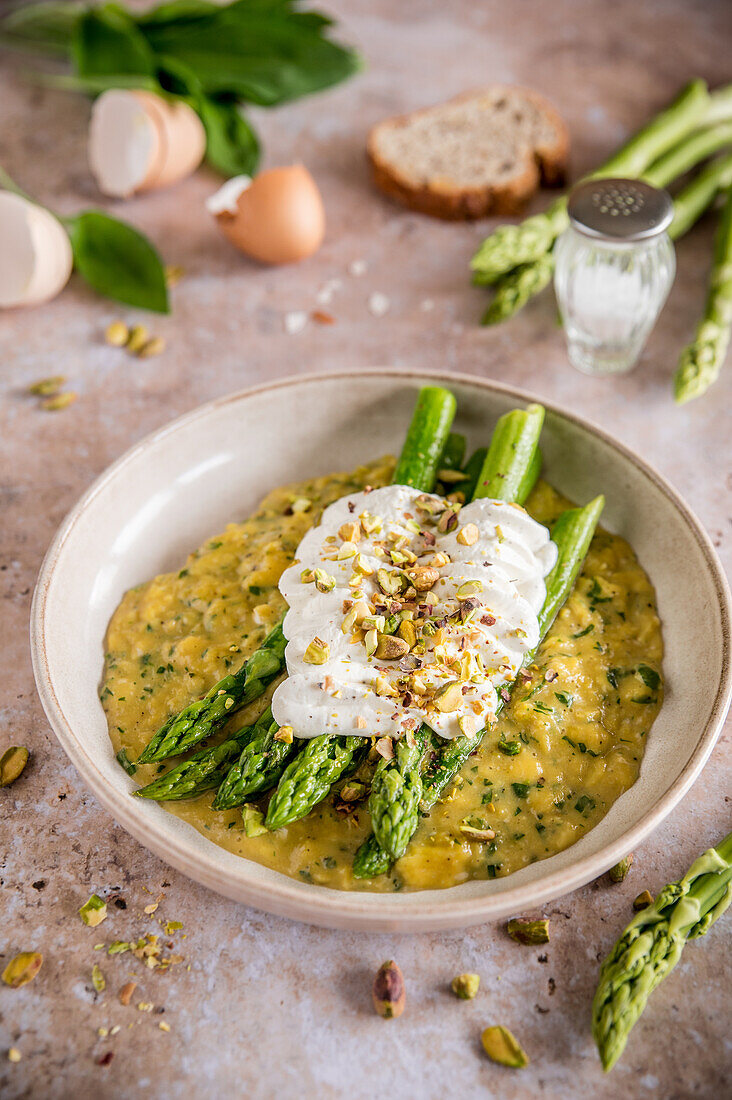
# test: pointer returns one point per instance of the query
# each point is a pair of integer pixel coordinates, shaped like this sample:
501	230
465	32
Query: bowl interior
185	483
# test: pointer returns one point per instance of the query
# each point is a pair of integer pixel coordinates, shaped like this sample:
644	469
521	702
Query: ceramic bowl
185	482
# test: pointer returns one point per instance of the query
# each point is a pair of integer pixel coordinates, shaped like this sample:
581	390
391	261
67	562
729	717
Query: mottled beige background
270	1008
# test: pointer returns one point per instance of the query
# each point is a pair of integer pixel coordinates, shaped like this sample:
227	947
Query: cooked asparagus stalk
702	360
201	772
514	290
512	245
651	945
204	717
308	779
326	758
261	763
509	472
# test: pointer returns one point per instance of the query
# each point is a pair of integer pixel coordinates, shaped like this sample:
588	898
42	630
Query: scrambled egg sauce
568	745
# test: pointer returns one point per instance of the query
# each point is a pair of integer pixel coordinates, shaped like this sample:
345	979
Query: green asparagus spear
395	793
508	471
201	772
426	438
702	360
308	778
651	945
453	452
572	534
259	767
513	291
204	717
326	758
512	245
509	462
472	470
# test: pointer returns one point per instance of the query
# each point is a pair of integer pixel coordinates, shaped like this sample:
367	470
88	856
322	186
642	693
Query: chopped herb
564	698
542	708
124	761
521	790
255	590
492	869
487	797
649	676
612	675
329	862
584	802
183	573
595	593
305	875
587	630
644	699
540	828
510	748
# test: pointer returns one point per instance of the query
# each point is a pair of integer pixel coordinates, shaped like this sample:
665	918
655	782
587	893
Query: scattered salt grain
325	295
427	305
295	322
357	268
379	304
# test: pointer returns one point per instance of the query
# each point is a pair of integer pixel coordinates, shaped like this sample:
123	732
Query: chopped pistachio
389	993
408	631
253	820
346	550
117	334
22	969
468	535
448	477
285	735
300	505
468	725
350	532
430	505
501	1046
423	577
447	521
163	1026
370	523
137	338
172	926
361	566
474	829
317	653
643	900
352	791
529	932
14	1055
154	346
12	763
324	582
60	401
48	387
621	869
449	697
93	911
384	688
173	274
390	648
468	589
465	986
370	642
98	979
307	576
390	581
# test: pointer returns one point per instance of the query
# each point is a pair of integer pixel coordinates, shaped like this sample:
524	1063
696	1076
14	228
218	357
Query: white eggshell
35	253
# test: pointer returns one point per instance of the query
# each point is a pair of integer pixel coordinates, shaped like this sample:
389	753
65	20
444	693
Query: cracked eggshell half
277	217
139	141
35	257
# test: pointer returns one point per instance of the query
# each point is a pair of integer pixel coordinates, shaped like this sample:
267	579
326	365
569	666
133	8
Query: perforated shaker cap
620	209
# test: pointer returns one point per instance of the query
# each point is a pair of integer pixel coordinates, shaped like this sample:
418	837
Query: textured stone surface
267	1007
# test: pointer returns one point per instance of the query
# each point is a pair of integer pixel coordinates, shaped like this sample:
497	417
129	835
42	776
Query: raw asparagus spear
702	360
453	452
326	758
397	786
201	772
512	245
307	780
204	717
513	291
259	767
651	945
472	471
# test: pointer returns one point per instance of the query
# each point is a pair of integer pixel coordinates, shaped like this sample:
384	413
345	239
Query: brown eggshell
279	218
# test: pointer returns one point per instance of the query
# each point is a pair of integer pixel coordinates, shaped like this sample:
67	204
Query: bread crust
445	199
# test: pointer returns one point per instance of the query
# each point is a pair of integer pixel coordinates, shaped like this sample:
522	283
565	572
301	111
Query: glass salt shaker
615	264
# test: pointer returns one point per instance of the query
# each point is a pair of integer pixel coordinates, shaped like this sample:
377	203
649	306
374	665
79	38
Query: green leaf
232	147
521	790
649	676
117	261
262	51
177	11
106	41
47	27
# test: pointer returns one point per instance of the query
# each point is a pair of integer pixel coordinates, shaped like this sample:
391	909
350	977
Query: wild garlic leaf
117	261
232	147
106	41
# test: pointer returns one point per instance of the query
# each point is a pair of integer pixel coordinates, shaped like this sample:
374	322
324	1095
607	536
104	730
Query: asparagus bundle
201	772
397	787
307	780
702	360
651	945
514	290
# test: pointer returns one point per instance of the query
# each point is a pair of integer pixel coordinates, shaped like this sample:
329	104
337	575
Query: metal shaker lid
620	209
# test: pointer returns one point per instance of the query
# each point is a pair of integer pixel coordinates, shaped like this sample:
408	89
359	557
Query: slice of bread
484	152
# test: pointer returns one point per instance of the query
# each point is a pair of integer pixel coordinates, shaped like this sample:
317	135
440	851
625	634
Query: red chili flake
322	318
488	620
106	1058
